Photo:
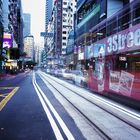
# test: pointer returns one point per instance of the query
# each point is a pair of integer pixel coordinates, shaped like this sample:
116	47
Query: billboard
7	40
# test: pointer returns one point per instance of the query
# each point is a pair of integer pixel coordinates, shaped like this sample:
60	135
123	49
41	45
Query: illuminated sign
7	40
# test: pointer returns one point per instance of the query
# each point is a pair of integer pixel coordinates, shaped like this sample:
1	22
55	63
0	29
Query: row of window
65	3
127	18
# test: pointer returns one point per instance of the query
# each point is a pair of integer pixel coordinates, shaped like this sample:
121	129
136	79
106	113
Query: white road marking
60	121
52	122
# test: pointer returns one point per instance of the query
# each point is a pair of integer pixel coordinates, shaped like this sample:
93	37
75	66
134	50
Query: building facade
1	37
29	47
15	21
5	14
59	27
69	8
108	48
27	24
48	13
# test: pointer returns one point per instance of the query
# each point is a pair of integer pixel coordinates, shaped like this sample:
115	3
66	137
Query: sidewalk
4	75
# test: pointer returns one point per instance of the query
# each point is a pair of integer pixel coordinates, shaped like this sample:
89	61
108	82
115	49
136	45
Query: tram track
115	115
95	127
99	131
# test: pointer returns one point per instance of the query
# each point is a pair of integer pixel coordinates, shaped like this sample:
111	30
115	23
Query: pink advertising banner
124	41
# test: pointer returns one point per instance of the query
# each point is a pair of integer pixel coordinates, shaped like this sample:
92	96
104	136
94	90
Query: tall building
69	8
29	46
27	24
58	6
5	14
48	13
1	35
59	27
15	21
13	26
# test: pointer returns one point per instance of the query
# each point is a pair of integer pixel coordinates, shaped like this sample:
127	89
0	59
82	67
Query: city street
38	106
70	70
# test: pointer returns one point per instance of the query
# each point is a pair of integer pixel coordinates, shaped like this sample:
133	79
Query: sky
37	10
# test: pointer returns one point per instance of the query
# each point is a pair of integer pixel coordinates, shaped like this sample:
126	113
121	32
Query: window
112	27
94	36
64	32
136	15
64	15
65	3
64	38
65	9
102	32
124	20
64	44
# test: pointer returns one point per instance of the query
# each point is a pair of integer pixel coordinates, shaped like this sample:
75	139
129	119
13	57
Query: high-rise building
5	11
69	8
15	21
29	46
48	13
11	17
48	17
1	35
27	24
58	28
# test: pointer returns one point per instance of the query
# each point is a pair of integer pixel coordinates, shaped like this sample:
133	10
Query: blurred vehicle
60	72
52	71
80	78
48	71
67	74
55	72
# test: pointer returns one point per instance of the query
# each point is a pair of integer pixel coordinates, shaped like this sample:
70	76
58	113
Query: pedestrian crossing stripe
8	97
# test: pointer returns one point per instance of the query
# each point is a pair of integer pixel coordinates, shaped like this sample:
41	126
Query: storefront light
99	34
122	58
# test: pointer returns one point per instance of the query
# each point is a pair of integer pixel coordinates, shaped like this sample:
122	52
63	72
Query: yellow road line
2	88
7	98
1	95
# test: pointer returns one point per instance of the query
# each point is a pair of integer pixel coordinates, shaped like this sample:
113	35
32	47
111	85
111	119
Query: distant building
36	53
1	35
29	46
5	11
48	12
27	24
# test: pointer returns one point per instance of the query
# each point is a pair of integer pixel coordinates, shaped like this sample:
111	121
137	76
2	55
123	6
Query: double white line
45	104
